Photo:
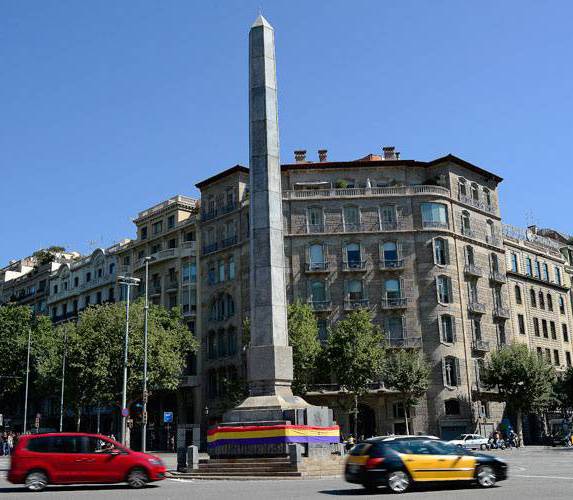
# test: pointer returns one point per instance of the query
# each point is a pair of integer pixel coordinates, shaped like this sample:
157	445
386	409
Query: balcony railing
468	200
405	342
352	304
317	267
211	214
320	305
227	242
493	240
300	194
339	227
354	265
213	247
473	270
394	302
476	307
498	277
391	264
480	345
501	312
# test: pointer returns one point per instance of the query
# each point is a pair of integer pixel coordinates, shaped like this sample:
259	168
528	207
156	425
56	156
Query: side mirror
114	452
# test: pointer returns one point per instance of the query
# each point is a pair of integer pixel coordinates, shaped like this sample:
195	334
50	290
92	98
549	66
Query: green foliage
303	338
15	324
523	378
234	390
47	255
408	372
356	352
563	389
341	184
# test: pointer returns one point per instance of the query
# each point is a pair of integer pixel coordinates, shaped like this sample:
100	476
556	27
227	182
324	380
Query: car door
66	459
107	464
455	463
422	462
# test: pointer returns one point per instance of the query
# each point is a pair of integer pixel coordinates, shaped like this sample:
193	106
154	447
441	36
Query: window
475	192
434	215
100	272
351	219
440	251
112	268
539	353
315	221
545	271
172	243
143	233
354	290
518	294
548	355
76	281
317	291
556	357
553	330
398	410
536	327
544	328
514	266
533	298
452	407
230	198
447	328
395	327
232	271
549	302
171	221
521	324
55	289
353	257
221	272
561	304
388	217
541	300
490	233
55	444
501	337
487	197
157	227
494	263
466	225
126	260
316	257
528	266
390	253
470	258
462	187
393	291
212	345
322	326
473	291
476	328
444	289
156	248
190	236
568	358
451	371
557	275
88	277
110	295
87	301
537	269
565	332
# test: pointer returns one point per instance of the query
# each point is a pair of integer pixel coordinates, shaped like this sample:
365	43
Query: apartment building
89	280
419	244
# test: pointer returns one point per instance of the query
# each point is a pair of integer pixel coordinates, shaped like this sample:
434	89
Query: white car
470	441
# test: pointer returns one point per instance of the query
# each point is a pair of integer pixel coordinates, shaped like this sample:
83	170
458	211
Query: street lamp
128	281
145	395
63	378
27	379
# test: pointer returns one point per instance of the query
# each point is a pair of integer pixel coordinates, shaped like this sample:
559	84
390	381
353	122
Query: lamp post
128	281
27	379
145	395
63	378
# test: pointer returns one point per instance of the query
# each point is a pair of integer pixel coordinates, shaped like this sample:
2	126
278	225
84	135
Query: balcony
391	264
498	277
405	342
468	200
172	285
316	267
501	312
212	214
372	192
394	303
230	241
494	240
213	247
476	307
320	305
354	266
480	345
473	270
187	248
435	225
352	304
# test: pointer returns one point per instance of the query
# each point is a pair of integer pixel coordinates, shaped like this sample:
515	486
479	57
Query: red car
68	458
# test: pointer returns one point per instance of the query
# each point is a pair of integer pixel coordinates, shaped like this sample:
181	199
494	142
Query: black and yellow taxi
398	462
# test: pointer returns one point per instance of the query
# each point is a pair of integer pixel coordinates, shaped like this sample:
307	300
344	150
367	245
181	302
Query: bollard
192	458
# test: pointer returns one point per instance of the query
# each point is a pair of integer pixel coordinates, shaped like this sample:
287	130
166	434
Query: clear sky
108	107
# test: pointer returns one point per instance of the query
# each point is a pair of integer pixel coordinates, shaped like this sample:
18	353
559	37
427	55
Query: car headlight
155	461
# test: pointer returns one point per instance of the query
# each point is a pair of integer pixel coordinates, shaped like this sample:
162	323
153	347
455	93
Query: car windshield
461	437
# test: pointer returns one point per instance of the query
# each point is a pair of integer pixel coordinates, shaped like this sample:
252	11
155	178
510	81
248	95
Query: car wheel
36	480
483	447
485	476
398	481
137	478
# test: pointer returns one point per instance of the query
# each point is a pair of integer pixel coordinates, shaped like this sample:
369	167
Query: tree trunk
406	413
78	418
356	417
518	426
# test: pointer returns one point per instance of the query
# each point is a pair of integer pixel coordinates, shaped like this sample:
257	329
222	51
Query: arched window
561	305
475	192
222	307
466	226
487	197
470	258
490	236
462	187
317	291
533	298
549	302
452	407
518	294
541	300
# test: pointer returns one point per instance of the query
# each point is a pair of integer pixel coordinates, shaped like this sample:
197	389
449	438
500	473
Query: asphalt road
535	473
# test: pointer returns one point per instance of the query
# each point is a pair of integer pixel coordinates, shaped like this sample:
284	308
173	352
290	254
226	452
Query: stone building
417	243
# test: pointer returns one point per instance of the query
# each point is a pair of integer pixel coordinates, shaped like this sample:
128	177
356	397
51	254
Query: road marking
180	480
543	477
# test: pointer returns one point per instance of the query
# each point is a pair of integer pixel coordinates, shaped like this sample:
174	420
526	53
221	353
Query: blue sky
108	107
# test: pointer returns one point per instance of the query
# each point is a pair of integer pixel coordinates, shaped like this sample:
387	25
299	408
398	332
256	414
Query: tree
94	372
563	389
524	379
303	338
47	255
407	372
356	354
16	322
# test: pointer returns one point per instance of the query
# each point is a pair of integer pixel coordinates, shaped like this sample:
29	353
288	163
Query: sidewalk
170	458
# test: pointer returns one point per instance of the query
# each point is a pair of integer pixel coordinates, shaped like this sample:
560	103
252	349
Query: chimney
389	152
322	154
300	155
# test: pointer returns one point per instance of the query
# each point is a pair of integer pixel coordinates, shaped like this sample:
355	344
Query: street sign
125	412
167	417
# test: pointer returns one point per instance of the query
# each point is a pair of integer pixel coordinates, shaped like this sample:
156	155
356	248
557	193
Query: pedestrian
10	443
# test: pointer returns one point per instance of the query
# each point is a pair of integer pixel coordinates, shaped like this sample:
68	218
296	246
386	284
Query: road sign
125	412
167	417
